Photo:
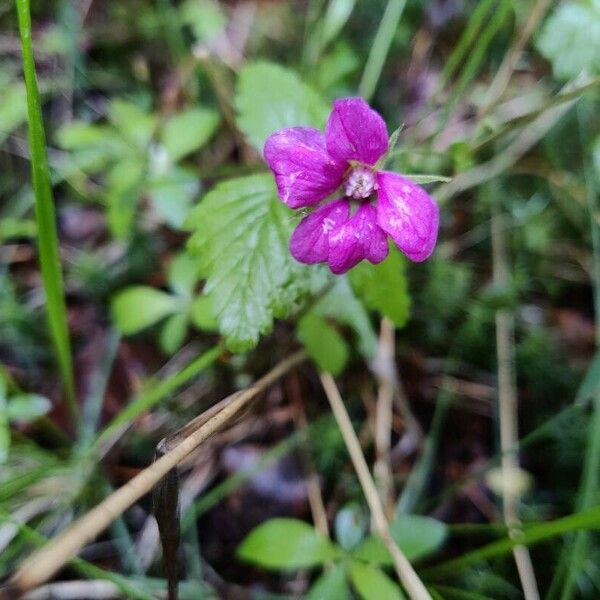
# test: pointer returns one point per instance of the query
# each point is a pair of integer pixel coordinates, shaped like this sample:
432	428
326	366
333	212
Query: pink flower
309	166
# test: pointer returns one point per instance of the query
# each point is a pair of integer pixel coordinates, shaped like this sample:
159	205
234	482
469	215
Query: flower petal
304	171
359	237
408	214
310	241
355	131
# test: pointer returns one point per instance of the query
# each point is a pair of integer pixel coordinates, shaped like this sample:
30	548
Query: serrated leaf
384	287
138	307
331	585
283	543
340	303
241	233
187	131
270	97
570	39
372	584
323	343
416	536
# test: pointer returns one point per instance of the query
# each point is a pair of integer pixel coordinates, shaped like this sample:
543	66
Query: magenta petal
408	214
304	171
355	131
310	241
359	237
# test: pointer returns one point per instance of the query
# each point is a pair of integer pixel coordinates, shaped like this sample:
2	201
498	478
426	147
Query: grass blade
380	48
45	214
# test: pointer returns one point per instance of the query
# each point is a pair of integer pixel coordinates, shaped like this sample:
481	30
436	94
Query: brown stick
43	564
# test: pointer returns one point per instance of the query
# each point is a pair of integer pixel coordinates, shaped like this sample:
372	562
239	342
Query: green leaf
423	179
172	334
172	194
570	39
124	182
132	122
282	544
27	407
138	307
372	584
4	428
415	535
241	233
336	15
350	525
183	274
341	304
323	343
188	131
384	287
48	244
270	97
202	314
331	585
13	109
205	18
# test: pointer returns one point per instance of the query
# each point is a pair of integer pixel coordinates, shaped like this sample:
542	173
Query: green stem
380	48
52	277
150	396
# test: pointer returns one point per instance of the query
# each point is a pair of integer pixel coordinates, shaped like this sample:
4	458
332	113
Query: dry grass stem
407	575
43	564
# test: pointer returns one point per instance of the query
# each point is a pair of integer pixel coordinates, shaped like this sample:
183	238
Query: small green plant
283	544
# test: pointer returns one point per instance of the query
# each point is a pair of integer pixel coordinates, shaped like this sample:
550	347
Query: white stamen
361	183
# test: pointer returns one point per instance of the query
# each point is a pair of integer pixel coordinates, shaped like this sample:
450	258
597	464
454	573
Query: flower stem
409	578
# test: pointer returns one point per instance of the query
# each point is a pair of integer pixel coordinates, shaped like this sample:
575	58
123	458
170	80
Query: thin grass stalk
380	48
508	408
52	277
407	575
575	552
43	564
532	534
154	391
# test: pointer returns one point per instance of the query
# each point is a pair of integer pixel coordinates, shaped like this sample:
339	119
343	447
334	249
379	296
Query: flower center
361	183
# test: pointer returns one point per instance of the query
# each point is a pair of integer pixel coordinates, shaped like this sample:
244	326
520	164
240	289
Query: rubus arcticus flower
310	166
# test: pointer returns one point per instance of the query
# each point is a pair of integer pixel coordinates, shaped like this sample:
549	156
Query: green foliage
133	165
323	343
416	536
286	544
17	407
341	304
188	131
373	584
49	255
270	97
332	585
137	307
240	234
384	287
570	39
13	108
